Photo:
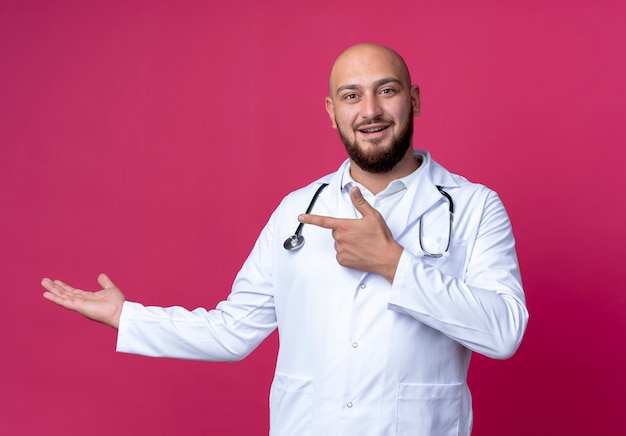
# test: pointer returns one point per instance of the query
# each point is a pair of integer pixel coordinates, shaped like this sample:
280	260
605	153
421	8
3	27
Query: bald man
380	310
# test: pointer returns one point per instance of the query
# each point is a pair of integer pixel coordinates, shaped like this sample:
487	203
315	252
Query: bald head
364	58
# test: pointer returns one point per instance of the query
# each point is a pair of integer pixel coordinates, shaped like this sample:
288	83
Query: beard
384	159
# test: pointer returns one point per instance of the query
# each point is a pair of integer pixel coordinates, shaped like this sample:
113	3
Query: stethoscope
296	240
451	210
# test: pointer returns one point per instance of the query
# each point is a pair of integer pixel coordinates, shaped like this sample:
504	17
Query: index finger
55	286
326	222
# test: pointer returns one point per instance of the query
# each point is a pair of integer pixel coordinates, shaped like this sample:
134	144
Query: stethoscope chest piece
294	242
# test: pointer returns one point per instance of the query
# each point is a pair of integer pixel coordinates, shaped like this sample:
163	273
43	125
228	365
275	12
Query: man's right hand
103	306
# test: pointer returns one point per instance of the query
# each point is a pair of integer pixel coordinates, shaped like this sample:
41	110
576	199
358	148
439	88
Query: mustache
365	124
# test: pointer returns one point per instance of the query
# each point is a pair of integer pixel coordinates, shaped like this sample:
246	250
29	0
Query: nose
371	107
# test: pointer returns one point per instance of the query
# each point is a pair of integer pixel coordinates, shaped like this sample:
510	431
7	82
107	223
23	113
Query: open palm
104	306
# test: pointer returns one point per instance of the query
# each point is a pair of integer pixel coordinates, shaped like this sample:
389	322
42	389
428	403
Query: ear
330	108
415	100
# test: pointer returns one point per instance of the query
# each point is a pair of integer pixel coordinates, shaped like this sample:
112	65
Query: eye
351	96
388	91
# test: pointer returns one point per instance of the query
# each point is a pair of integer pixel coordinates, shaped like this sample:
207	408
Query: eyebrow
377	83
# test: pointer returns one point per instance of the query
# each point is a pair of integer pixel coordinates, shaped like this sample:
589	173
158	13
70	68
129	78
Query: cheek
398	109
345	119
345	128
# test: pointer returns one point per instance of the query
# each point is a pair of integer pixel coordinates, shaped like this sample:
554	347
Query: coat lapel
420	197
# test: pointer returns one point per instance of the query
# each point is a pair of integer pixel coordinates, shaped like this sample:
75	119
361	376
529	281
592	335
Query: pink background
151	140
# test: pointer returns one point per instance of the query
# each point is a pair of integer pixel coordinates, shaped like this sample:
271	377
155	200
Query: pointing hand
365	244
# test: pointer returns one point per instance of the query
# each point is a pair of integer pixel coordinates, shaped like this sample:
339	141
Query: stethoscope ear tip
293	242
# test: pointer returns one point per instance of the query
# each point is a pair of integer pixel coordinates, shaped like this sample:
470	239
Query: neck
376	182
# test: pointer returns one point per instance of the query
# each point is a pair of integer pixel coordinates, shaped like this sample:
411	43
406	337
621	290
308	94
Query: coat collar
421	195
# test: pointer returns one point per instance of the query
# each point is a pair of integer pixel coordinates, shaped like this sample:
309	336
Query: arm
229	332
485	309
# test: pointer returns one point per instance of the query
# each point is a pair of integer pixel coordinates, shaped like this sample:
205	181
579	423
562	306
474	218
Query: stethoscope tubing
296	240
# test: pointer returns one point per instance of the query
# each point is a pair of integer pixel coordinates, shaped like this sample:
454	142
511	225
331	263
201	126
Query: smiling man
380	310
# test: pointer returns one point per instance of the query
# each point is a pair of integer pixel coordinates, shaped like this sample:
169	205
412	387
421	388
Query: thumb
359	202
105	281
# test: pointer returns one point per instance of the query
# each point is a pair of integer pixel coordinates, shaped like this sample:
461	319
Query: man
379	311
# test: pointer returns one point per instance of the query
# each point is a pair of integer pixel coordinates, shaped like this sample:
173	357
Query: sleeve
484	310
229	332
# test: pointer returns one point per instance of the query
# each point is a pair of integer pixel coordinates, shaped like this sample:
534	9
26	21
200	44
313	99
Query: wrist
392	259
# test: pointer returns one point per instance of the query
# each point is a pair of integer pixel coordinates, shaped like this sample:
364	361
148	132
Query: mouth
373	130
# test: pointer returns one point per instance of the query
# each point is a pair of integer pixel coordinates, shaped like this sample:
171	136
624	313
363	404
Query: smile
374	132
373	129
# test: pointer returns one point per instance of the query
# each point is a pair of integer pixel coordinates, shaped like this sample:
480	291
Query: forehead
365	67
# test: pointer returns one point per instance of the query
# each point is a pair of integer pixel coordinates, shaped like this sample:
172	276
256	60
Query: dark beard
380	161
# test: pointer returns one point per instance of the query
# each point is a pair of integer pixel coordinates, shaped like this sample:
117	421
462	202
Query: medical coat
358	355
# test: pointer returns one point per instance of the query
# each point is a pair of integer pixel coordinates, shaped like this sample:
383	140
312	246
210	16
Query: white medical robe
358	355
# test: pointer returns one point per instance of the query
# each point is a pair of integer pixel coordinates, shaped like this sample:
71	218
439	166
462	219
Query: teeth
377	129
